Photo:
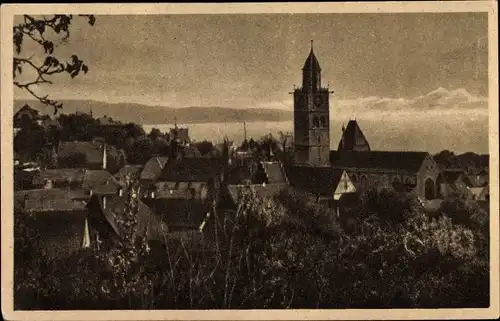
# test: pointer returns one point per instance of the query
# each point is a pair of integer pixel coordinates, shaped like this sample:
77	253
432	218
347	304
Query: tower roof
311	61
353	139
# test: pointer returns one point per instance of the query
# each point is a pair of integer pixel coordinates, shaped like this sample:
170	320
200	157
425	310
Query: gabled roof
50	200
132	171
192	169
274	172
382	160
314	180
116	208
99	177
153	168
27	109
179	213
261	190
63	175
353	138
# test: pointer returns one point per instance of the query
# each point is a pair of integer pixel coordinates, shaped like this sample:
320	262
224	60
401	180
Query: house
129	172
92	181
194	169
26	115
152	170
191	178
105	214
55	219
415	172
332	187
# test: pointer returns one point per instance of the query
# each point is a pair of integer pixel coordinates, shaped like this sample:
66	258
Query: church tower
312	117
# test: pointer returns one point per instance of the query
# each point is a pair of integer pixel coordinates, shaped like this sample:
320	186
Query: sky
394	60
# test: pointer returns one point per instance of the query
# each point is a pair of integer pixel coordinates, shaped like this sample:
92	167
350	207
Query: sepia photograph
250	157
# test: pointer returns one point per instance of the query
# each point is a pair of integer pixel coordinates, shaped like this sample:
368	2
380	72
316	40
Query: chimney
120	191
91	191
25	203
104	202
104	156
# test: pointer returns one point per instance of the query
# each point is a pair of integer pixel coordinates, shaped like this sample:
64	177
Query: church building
312	117
408	171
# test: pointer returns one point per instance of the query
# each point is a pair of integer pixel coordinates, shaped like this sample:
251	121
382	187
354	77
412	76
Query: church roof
314	180
353	138
311	61
381	160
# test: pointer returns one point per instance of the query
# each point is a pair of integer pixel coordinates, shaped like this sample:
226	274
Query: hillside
144	114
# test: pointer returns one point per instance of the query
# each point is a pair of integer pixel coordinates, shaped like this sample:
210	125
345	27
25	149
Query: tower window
319	139
315	122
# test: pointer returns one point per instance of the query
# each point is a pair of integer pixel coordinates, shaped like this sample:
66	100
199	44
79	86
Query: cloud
441	100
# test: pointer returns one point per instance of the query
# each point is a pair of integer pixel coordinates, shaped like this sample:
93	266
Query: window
315	122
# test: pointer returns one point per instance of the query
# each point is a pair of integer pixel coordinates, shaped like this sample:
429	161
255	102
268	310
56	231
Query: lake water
432	134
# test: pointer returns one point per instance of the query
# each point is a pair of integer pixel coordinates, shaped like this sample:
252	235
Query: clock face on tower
317	101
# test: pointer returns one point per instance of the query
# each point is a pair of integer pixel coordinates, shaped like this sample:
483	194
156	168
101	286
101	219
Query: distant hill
148	115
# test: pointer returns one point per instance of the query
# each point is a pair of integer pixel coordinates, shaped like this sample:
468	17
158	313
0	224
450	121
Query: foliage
41	30
288	252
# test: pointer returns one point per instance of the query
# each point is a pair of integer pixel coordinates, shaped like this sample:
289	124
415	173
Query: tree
125	260
40	30
205	147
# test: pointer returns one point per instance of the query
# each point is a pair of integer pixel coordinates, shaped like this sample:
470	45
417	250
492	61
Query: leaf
18	40
40	26
48	46
48	61
85	69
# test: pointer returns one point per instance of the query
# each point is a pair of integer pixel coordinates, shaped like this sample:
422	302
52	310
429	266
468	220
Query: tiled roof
179	213
353	138
132	171
115	209
192	169
27	109
314	180
274	172
261	190
99	177
182	190
153	168
63	175
50	200
400	161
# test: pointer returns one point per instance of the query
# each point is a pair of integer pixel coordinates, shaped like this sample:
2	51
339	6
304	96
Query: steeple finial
311	45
